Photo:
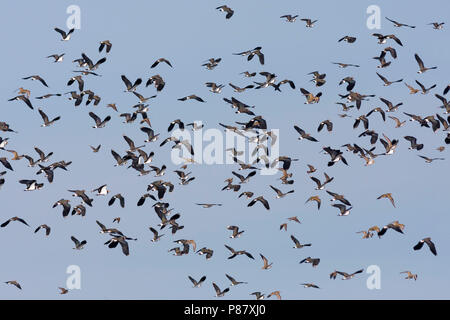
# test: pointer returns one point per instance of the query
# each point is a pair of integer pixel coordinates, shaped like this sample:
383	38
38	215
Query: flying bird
429	243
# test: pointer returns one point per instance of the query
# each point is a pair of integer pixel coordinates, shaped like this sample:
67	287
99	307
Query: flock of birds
254	129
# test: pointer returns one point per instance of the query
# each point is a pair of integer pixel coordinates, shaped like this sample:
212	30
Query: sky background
188	33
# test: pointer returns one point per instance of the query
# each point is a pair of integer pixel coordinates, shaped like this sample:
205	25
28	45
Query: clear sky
187	33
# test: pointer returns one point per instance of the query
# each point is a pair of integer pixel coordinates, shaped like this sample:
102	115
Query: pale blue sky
188	33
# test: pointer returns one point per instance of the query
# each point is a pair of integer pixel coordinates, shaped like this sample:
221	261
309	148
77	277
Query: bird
31	185
207	252
131	86
96	149
386	81
422	67
335	154
6	163
437	25
314	261
289	18
304	135
239	89
64	36
81	194
266	265
446	90
63	290
388	196
412	90
397	226
297	243
429	243
309	285
220	293
122	240
414	144
158	61
157	81
78	245
348	39
275	293
4	224
79	80
192	96
350	83
117	196
338	197
14	283
99	123
105	44
261	199
258	295
345	65
279	193
235	253
47	122
150	133
316	199
43	226
312	169
251	53
345	275
311	98
429	160
212	63
242	178
196	283
226	9
383	38
236	232
215	88
409	275
57	57
101	191
398	24
65	204
208	205
309	23
320	185
344	211
398	123
379	110
425	90
326	123
233	281
24	99
87	62
389	145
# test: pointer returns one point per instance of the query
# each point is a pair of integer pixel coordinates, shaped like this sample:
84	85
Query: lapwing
261	199
422	67
4	224
226	9
314	261
398	24
219	293
409	275
105	44
196	283
289	18
64	36
429	243
78	245
14	283
57	57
